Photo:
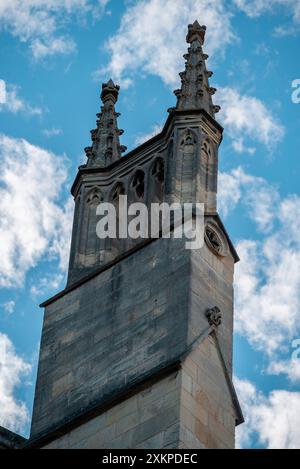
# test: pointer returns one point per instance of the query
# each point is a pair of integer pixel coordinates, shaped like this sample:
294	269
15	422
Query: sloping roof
10	440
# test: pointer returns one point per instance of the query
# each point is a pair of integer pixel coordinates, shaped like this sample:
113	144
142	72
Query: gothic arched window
113	246
209	173
157	177
186	165
138	184
90	243
158	170
118	190
206	150
94	197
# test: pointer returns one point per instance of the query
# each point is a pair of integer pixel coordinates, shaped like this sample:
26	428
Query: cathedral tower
136	351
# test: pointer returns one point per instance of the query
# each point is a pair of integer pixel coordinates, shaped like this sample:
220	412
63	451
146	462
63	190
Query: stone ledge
10	440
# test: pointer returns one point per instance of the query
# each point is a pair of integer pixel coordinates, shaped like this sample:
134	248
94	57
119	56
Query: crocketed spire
195	92
106	148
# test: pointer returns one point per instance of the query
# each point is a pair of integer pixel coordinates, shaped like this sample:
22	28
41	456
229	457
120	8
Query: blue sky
54	55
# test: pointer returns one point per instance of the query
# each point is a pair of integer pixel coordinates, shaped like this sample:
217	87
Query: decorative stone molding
214	316
158	170
138	184
106	148
215	239
206	149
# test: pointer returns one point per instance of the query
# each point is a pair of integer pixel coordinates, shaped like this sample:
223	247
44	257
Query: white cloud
40	22
275	419
151	37
61	242
260	197
32	224
291	8
9	306
44	48
13	413
248	116
46	284
255	8
286	30
229	192
143	138
240	147
267	279
289	368
53	132
11	101
267	296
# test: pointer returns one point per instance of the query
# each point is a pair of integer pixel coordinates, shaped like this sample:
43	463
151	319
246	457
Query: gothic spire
106	146
195	92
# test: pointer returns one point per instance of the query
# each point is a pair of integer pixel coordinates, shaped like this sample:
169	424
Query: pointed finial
195	31
110	91
106	146
195	91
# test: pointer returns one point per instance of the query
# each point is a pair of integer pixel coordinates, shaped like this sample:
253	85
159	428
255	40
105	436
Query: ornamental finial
195	31
195	91
106	148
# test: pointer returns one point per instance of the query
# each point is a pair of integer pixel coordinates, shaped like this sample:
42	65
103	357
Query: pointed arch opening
157	180
114	246
137	186
188	149
90	246
209	174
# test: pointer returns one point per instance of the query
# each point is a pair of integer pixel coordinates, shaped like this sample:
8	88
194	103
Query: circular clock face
214	240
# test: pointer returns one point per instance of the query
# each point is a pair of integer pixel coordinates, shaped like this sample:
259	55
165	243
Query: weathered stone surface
133	424
207	409
118	343
10	440
178	411
135	339
132	309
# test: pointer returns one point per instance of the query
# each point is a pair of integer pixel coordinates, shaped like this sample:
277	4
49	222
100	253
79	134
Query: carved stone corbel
214	316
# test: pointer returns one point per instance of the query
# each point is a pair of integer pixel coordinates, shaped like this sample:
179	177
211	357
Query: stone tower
136	351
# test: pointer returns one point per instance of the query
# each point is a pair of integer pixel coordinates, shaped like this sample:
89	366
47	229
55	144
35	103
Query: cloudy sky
54	54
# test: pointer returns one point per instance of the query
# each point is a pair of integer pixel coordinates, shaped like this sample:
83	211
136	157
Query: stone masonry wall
114	329
149	419
207	415
190	409
124	324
